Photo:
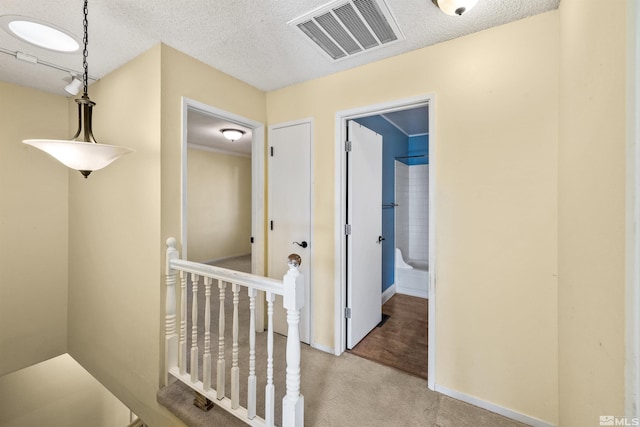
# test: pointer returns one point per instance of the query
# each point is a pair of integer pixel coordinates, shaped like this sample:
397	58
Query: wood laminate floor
401	341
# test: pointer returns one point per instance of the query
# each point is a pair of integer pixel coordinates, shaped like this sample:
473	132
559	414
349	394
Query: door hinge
271	150
347	312
252	240
347	229
347	146
271	225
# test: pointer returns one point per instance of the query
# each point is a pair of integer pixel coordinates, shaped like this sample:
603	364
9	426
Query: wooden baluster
251	386
221	369
235	370
194	327
293	401
206	357
182	346
170	338
269	400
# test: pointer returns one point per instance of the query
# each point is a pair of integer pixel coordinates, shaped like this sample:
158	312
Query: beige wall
219	205
33	230
530	183
496	118
58	392
206	85
591	211
122	215
114	243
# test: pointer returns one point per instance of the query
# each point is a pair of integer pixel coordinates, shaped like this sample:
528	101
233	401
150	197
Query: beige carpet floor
339	391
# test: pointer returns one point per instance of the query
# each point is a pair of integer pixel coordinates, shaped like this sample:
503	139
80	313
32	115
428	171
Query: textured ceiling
247	39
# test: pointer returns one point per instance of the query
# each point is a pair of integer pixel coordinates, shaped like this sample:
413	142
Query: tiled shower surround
412	212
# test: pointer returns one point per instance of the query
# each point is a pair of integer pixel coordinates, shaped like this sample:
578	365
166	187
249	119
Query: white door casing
289	217
340	276
257	186
364	245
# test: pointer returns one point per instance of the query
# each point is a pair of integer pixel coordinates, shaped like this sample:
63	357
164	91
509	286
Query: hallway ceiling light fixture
40	33
83	153
74	87
232	134
455	7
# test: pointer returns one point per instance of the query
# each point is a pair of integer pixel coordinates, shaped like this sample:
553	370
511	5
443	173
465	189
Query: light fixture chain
85	52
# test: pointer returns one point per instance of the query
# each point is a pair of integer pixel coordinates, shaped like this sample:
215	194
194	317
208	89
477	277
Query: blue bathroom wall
394	144
418	146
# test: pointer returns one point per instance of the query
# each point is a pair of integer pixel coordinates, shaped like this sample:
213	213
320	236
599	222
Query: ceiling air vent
346	28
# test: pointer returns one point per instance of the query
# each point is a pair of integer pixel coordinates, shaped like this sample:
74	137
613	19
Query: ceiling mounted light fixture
74	87
232	134
455	7
82	153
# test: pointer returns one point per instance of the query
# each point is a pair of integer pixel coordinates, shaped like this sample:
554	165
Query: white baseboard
388	293
413	292
323	348
224	258
509	413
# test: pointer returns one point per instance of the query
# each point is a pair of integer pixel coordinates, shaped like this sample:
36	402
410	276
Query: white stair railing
291	288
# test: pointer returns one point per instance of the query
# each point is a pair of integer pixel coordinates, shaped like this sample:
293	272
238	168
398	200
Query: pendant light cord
85	51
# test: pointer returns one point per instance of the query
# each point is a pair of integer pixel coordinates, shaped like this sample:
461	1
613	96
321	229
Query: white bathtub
412	276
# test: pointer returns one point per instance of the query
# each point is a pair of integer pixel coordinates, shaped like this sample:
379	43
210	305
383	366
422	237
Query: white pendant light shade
78	155
82	152
455	7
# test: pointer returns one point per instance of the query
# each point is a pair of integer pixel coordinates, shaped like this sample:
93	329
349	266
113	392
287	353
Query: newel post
170	336
293	401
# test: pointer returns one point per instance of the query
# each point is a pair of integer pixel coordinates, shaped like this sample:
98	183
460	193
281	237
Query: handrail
259	282
291	288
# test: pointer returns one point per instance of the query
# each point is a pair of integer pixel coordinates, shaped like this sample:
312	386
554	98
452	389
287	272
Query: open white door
364	246
290	212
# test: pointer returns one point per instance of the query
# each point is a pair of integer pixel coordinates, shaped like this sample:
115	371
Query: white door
364	242
290	211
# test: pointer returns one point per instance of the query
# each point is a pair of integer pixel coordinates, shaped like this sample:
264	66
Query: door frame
632	221
308	298
257	186
340	276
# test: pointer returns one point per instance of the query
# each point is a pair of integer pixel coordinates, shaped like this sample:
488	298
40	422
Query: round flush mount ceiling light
40	33
232	134
455	7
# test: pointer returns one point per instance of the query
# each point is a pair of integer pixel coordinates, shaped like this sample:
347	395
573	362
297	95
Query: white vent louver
346	28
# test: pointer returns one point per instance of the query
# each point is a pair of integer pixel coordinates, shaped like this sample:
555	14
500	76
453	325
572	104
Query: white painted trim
413	292
433	266
183	179
309	298
224	258
514	415
322	348
388	293
339	273
257	187
632	365
341	118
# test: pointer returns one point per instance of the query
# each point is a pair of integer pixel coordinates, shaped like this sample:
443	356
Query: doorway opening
222	211
408	224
